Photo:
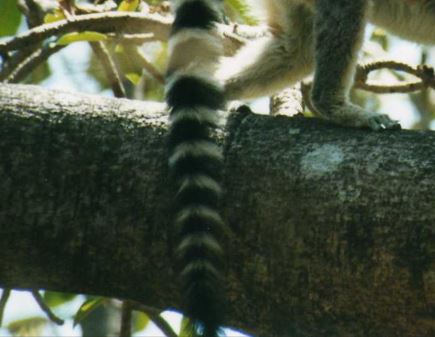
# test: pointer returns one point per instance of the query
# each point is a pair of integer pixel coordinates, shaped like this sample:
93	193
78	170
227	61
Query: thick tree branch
332	228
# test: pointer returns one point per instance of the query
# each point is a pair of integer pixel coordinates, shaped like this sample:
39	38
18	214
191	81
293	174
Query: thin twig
3	300
424	73
110	68
154	315
149	67
38	298
35	59
389	64
406	87
11	63
132	38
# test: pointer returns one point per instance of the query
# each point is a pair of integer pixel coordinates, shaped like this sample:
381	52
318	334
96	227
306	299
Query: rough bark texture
332	228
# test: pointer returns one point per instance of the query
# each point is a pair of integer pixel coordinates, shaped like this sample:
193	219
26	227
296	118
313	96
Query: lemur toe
382	122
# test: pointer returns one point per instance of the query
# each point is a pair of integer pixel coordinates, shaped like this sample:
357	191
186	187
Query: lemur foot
353	115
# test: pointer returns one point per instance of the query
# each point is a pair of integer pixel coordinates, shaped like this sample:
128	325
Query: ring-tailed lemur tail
195	161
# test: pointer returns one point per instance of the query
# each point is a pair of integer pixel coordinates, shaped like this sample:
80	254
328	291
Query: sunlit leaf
133	77
186	328
83	36
119	48
380	37
128	5
141	321
54	299
10	17
87	307
57	15
243	10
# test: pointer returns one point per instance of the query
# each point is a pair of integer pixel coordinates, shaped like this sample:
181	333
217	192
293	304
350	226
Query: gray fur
325	36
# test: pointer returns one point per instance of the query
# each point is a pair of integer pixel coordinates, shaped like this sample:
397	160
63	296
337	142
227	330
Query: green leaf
57	15
128	5
242	9
141	321
10	17
87	307
83	36
134	77
186	328
54	299
380	37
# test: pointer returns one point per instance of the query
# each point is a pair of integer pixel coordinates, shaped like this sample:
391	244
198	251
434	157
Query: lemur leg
271	64
339	30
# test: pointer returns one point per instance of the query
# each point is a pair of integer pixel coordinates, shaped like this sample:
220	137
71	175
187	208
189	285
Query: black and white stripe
195	161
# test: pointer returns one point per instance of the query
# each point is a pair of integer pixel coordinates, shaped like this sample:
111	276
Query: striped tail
195	161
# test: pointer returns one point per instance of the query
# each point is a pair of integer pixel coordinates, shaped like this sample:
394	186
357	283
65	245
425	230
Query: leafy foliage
141	321
83	36
87	307
54	299
243	11
10	17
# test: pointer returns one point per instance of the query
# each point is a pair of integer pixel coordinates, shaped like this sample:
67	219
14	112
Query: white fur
194	52
270	64
410	19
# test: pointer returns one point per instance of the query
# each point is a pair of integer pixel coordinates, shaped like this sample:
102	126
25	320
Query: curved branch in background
423	72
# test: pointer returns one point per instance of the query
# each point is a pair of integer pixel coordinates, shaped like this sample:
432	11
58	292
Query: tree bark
332	229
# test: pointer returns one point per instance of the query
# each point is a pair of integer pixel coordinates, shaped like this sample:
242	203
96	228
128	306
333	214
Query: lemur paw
378	122
352	115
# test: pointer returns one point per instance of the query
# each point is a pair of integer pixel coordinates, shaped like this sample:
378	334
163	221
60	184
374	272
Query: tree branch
120	22
425	74
25	67
110	68
332	228
110	22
